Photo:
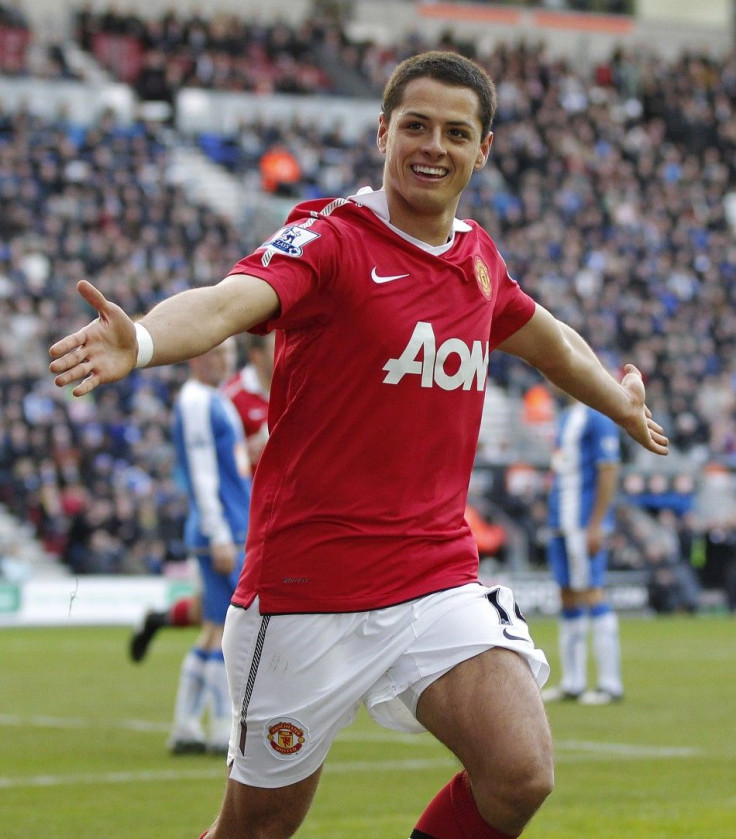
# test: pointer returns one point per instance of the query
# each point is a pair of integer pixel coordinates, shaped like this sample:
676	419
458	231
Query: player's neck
432	228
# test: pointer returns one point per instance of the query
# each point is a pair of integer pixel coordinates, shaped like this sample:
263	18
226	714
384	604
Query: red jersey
375	406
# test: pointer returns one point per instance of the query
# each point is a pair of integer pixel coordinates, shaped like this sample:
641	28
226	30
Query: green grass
83	733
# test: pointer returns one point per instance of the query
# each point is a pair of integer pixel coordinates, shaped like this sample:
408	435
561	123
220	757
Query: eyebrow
455	122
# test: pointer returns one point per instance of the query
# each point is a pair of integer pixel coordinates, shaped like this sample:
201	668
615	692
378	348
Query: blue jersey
210	444
585	439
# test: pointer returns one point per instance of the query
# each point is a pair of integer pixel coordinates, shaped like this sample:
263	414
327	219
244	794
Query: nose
433	144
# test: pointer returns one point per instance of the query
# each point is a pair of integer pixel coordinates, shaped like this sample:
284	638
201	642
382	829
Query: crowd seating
222	52
94	475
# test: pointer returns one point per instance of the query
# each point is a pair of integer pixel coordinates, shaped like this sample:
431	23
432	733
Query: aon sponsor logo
450	366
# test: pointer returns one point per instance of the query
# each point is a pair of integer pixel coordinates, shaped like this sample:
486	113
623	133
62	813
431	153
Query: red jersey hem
273	606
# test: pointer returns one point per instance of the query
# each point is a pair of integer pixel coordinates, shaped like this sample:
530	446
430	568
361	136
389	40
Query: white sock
574	652
189	705
607	650
218	699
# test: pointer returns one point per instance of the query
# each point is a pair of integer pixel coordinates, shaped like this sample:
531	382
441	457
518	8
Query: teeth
430	170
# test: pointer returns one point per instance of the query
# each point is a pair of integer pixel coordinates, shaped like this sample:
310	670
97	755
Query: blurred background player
248	390
213	458
585	466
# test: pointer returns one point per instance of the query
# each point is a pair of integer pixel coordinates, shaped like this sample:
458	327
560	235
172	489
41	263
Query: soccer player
213	461
360	584
248	390
585	466
185	612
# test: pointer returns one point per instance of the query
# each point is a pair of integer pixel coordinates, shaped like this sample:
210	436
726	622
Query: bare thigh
256	813
489	713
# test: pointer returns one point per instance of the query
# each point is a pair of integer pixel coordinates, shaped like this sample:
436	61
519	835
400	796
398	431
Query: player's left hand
642	428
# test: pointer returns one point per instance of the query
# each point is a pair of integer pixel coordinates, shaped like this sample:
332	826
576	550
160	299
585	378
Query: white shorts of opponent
296	680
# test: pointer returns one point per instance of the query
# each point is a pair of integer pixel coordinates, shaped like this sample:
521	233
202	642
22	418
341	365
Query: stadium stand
608	190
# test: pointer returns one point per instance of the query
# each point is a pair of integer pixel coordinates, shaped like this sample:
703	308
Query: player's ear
382	134
483	152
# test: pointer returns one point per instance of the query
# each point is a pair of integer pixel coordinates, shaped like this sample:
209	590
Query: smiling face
433	143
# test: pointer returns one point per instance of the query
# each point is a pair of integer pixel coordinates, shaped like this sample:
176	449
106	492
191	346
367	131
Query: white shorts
296	680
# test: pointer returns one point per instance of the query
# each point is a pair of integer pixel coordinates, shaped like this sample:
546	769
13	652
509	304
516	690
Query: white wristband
145	345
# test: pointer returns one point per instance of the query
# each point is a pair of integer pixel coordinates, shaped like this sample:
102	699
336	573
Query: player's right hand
103	351
224	557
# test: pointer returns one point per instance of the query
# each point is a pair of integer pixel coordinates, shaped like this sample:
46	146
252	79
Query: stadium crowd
94	476
606	191
218	52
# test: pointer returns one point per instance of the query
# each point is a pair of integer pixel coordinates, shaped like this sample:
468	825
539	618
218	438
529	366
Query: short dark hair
448	68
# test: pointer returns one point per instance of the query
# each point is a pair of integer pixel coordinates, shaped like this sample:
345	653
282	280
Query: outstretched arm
563	357
183	326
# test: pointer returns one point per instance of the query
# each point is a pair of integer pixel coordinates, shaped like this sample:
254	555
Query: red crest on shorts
482	277
286	737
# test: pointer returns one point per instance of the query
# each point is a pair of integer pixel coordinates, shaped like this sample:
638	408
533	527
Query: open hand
643	428
103	351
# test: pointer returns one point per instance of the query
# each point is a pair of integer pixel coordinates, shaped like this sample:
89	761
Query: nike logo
511	637
377	278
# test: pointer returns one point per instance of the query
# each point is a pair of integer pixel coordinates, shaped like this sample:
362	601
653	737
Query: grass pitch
83	734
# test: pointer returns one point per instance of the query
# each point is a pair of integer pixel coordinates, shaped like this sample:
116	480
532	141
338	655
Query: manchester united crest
286	737
482	277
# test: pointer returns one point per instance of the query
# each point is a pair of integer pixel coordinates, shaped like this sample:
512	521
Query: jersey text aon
450	366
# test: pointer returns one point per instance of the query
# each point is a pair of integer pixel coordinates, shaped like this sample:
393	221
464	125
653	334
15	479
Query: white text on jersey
423	358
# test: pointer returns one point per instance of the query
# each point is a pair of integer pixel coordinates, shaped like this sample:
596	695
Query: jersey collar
376	201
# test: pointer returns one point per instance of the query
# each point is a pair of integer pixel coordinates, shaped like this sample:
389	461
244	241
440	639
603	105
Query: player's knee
537	787
528	787
517	792
280	827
